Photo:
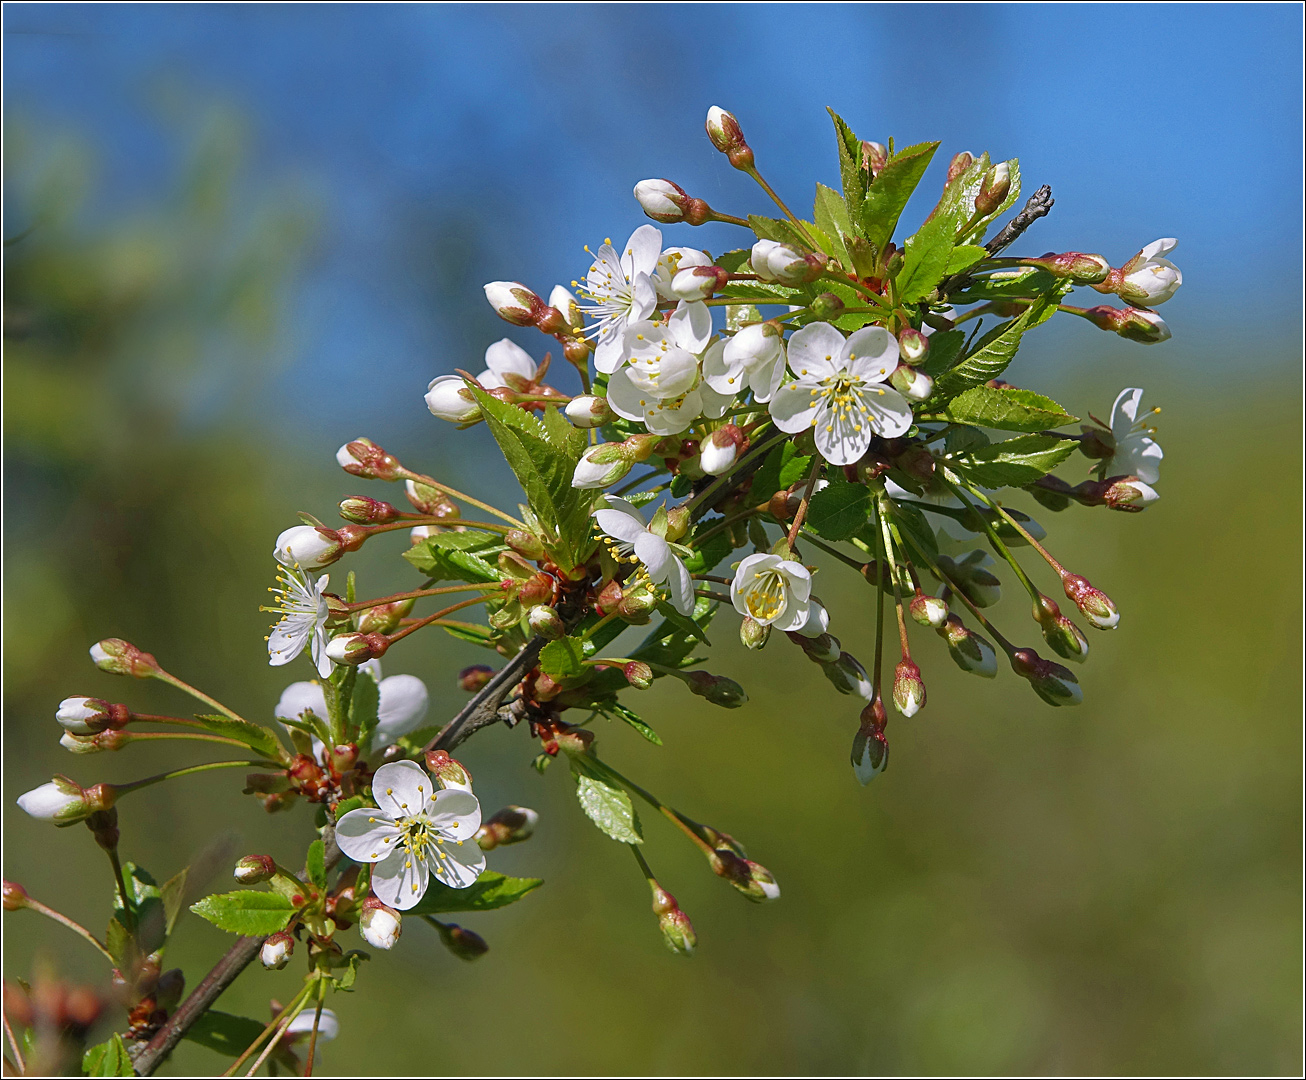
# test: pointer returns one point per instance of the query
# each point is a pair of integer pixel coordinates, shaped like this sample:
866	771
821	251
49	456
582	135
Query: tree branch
483	709
1039	204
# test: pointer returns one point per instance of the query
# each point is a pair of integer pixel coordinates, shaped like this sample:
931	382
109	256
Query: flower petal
457	865
890	412
793	408
672	417
621	521
366	835
798	577
764	379
720	374
745	574
690	326
400	880
871	354
679	587
404	702
300	697
455	813
653	552
643	297
841	438
1124	413
506	357
815	351
402	788
642	252
328	1024
610	352
794	615
626	399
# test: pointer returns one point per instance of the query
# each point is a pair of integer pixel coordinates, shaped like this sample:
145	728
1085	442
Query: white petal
1163	246
840	441
401	788
654	553
461	864
404	702
794	615
301	696
764	379
641	253
506	357
366	834
798	577
400	880
1124	413
691	326
745	575
328	1025
722	375
621	521
610	352
871	354
644	297
890	412
674	416
792	407
287	641
455	812
679	587
626	399
815	351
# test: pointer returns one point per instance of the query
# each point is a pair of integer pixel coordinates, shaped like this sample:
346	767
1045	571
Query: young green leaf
364	708
615	709
345	980
458	556
707	554
681	622
779	230
316	863
1015	462
263	741
963	258
254	914
993	353
490	890
838	511
783	466
855	179
1006	409
109	1059
172	893
888	194
831	214
606	804
223	1032
149	915
561	659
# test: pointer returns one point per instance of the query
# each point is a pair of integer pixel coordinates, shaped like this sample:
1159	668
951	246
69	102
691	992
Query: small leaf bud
588	411
384	618
1059	632
169	988
908	689
913	346
255	868
451	772
970	651
464	944
724	131
638	674
677	930
276	950
119	657
753	634
993	190
1080	267
717	689
15	896
526	544
364	458
473	678
511	825
362	510
827	307
1052	682
911	383
1093	603
546	622
514	303
929	611
356	648
379	925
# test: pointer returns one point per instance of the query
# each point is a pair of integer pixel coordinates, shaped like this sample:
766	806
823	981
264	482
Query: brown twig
1038	205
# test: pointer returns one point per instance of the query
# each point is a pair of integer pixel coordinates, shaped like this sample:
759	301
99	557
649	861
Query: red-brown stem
363	605
431	618
802	506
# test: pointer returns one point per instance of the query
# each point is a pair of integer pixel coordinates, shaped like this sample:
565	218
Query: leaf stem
198	695
408	474
761	180
75	927
317	1019
996	543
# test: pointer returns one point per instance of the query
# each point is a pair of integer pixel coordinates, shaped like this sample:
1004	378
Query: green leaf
669	645
364	708
489	891
831	214
734	261
945	347
615	709
964	257
889	192
254	914
151	919
352	959
172	893
779	230
1017	283
223	1032
992	354
1014	463
457	556
354	802
109	1059
681	622
606	804
926	255
854	178
561	659
783	466
316	863
706	555
263	741
1006	409
564	434
838	511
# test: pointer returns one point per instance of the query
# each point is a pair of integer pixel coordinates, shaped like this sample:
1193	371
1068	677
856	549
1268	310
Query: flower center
844	397
766	596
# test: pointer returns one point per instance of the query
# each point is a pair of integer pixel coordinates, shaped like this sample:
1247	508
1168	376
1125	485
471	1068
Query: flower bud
875	156
119	657
276	950
638	674
720	450
827	307
970	651
448	397
511	825
429	500
464	944
848	676
1052	682
514	303
451	772
1078	266
662	200
356	648
255	868
1093	603
15	896
363	457
94	744
384	618
601	466
1146	279
958	165
973	576
86	715
724	131
588	411
764	886
698	282
307	547
169	988
379	925
908	689
474	678
752	633
911	383
870	751
716	688
993	190
773	261
929	611
1059	632
677	930
1129	494
913	346
1136	324
64	802
823	648
362	510
546	622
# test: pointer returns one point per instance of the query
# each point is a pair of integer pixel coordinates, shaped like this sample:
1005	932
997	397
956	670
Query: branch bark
1038	205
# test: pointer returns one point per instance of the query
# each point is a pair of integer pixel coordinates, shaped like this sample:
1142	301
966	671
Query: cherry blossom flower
1136	452
623	292
626	525
1149	279
303	610
772	591
753	358
840	390
403	704
416	830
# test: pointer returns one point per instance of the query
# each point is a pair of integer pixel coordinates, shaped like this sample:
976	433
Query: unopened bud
698	282
473	678
637	605
430	500
908	689
677	930
913	346
638	674
588	411
970	651
911	383
724	131
1136	324
662	200
827	307
546	622
87	715
848	676
753	634
15	896
824	648
1059	632
355	649
119	657
451	772
1093	603
1052	682
94	744
363	457
463	943
511	825
773	261
1129	494
384	618
717	689
514	303
255	868
276	950
875	156
448	397
602	465
307	547
1080	267
929	611
169	988
720	450
364	511
958	165
870	751
61	801
993	190
380	925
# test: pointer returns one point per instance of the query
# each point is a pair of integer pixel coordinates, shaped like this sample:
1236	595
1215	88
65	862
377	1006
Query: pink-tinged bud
913	346
970	651
449	398
958	165
637	605
911	383
474	678
362	510
1136	324
119	657
875	156
908	688
1078	266
344	756
307	547
255	868
1147	279
514	303
1092	602
929	611
588	411
379	925
15	896
698	282
511	825
60	801
724	131
364	458
1059	632
993	190
716	688
848	676
429	500
827	307
773	261
276	950
662	200
87	715
545	621
677	930
94	744
451	772
539	588
355	649
638	674
870	751
463	943
753	634
720	450
1052	682
384	618
551	321
1129	494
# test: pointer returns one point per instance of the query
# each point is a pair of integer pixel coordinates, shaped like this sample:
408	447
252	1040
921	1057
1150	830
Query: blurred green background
1110	889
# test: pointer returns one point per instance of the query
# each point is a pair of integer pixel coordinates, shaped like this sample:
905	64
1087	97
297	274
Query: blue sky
448	145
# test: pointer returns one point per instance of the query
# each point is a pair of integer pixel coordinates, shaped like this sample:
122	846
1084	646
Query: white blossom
303	609
772	591
623	292
1148	278
1136	452
414	831
306	547
379	925
626	525
752	358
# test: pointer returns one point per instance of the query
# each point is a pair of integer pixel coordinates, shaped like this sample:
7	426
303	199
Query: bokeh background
237	236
